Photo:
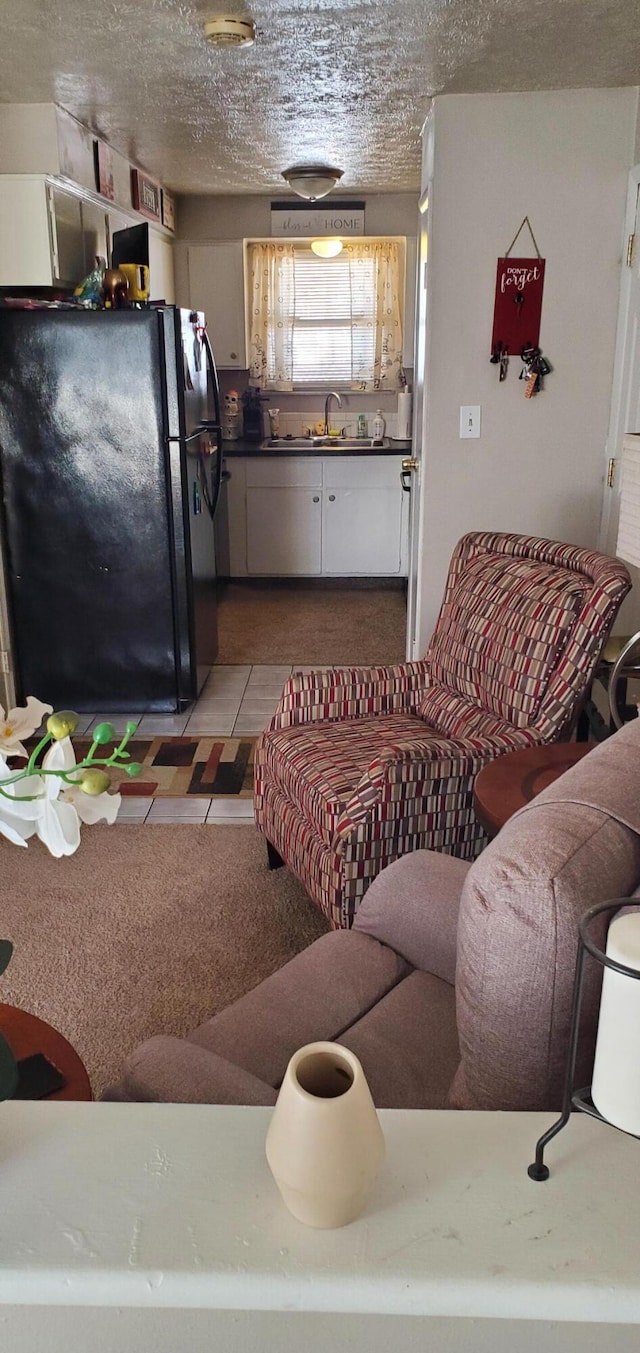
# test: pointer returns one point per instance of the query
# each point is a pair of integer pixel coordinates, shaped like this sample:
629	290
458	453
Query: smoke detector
225	30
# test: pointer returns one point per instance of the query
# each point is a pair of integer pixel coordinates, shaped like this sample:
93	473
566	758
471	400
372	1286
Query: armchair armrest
412	907
350	693
173	1070
456	761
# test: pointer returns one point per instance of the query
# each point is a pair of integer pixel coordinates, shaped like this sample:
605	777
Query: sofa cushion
501	631
319	765
413	907
408	1044
517	937
175	1071
316	996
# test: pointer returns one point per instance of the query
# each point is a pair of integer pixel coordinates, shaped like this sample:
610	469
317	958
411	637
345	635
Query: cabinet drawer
371	472
291	471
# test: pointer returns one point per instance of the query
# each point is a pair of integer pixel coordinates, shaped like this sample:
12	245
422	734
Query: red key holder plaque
518	301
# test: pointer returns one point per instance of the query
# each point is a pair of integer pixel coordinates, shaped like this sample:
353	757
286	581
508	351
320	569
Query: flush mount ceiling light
225	30
312	180
327	248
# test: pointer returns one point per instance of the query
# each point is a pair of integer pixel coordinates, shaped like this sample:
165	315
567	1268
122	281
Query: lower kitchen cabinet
307	516
284	531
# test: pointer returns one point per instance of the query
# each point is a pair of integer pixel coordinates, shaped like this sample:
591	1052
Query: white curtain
376	275
272	314
369	276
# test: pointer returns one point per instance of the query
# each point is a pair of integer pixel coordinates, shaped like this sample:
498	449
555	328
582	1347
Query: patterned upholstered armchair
361	765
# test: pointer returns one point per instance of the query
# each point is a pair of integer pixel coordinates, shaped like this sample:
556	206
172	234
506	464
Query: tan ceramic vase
324	1144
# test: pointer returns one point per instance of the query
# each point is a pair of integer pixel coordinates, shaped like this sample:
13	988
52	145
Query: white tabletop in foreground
173	1206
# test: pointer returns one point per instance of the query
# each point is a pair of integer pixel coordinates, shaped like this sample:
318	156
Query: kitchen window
326	321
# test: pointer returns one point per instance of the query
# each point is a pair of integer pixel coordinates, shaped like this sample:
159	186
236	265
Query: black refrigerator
110	461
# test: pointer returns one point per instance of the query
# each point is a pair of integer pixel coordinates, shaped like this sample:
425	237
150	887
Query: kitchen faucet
333	394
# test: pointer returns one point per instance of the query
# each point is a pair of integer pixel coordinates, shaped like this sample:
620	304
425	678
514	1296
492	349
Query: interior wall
28	138
562	158
206	217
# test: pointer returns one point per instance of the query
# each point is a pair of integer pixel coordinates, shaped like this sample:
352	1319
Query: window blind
333	318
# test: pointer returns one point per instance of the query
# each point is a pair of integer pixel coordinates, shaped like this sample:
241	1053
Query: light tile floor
234	702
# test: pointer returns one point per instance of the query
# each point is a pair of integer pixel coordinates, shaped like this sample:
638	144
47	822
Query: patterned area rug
176	767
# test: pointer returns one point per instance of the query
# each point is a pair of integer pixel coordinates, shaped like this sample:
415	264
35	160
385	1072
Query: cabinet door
361	531
94	233
25	241
69	253
161	268
216	285
284	527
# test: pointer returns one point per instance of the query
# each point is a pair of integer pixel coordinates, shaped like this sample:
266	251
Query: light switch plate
469	420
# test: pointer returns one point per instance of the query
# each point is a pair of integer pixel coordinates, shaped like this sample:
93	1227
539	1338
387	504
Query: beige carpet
276	623
145	930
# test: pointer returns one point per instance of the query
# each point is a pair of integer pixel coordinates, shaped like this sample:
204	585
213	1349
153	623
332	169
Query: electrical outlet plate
469	420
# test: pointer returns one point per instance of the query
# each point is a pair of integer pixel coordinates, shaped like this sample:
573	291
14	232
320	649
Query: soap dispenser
378	426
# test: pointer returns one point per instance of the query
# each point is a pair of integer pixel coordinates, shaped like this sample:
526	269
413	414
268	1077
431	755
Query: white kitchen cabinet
50	236
361	532
161	279
284	532
26	257
308	516
216	285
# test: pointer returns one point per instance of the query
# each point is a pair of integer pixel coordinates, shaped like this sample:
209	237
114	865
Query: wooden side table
26	1034
507	783
590	722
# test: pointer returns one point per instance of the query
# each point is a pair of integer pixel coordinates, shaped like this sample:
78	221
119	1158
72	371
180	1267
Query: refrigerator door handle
213	372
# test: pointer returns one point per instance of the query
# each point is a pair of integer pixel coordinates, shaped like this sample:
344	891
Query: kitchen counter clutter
315	513
266	448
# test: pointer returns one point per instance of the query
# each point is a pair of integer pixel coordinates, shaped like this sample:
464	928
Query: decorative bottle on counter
378	426
324	1144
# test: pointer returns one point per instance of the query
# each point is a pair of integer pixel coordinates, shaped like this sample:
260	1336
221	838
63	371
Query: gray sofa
454	985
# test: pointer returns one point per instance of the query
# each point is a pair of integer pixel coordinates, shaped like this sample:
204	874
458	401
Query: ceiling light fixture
327	248
312	180
226	30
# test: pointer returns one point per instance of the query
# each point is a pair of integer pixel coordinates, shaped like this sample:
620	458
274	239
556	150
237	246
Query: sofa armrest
173	1071
418	764
350	693
412	907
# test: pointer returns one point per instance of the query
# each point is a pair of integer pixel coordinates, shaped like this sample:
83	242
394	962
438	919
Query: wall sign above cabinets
145	195
291	219
168	210
103	163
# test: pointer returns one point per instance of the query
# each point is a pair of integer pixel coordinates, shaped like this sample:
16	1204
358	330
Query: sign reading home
303	219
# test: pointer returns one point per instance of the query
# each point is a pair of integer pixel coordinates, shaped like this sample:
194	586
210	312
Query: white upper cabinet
26	258
216	285
161	268
50	237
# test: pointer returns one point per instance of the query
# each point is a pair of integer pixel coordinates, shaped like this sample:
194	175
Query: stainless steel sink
323	444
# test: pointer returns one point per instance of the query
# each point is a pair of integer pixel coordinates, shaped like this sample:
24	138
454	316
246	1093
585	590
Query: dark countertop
242	448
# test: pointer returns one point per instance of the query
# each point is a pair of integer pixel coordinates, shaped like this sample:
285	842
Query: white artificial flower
18	819
89	808
92	807
49	807
21	723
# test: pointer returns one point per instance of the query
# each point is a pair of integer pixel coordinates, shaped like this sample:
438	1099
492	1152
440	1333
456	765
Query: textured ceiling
342	82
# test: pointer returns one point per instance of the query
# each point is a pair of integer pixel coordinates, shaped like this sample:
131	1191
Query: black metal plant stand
581	1099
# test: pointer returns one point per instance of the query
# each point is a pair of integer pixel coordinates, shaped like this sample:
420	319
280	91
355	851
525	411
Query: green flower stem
35	754
68	776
